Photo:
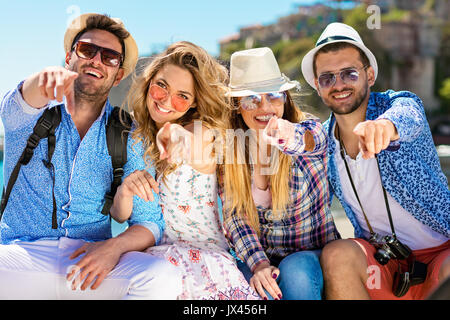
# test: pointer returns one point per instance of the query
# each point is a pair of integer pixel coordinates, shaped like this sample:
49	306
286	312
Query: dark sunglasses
328	79
252	102
87	50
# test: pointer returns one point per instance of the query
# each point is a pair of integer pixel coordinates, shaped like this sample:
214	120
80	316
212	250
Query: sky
32	32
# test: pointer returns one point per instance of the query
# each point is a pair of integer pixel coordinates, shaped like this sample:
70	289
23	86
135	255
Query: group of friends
227	185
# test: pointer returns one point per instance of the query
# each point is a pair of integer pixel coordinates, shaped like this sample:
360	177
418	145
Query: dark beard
358	102
86	92
83	91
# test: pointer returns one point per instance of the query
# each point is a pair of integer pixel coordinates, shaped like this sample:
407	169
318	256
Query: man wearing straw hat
70	254
384	169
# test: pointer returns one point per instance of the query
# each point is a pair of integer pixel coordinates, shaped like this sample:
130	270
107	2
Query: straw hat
131	49
335	32
256	71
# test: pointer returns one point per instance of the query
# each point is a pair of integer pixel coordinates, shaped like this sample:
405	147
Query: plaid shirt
307	222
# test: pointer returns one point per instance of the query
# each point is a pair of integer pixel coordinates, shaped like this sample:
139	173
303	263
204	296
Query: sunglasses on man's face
276	99
349	75
180	102
87	51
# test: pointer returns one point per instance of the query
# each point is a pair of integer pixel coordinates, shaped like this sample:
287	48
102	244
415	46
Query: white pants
38	270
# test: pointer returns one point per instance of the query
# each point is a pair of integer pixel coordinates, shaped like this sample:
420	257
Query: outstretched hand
56	82
49	84
174	143
375	136
278	131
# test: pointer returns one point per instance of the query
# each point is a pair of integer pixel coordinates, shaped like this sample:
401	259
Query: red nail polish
281	141
279	296
274	275
265	298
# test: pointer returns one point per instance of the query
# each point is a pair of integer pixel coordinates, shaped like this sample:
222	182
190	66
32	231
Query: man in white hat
70	254
384	169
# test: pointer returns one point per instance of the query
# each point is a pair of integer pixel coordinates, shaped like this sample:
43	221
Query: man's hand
264	278
174	143
98	260
374	136
50	84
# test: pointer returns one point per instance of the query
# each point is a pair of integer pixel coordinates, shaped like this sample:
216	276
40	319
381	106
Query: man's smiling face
341	97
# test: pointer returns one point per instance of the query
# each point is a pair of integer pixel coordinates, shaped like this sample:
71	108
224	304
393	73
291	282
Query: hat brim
267	89
308	60
131	49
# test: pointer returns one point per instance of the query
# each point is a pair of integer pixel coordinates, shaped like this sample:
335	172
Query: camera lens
382	256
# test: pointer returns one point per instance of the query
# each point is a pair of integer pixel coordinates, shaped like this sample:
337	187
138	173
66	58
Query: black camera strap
342	150
418	271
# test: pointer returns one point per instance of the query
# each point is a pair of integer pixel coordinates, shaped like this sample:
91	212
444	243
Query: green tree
444	93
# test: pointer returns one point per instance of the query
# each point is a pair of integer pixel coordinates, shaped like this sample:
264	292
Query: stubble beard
85	91
353	107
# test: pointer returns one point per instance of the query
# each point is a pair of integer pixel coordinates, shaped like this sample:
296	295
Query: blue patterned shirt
410	173
83	174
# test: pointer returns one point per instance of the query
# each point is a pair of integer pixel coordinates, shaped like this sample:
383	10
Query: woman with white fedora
276	211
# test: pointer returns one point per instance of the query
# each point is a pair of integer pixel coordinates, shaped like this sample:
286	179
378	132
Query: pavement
344	227
343	224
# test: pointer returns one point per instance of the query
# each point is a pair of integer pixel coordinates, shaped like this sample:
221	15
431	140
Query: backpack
116	139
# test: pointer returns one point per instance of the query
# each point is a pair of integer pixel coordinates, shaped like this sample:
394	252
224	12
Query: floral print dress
194	241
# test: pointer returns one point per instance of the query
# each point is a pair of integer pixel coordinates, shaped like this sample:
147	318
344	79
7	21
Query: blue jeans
300	276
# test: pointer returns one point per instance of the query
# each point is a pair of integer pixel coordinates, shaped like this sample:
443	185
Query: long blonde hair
237	177
210	79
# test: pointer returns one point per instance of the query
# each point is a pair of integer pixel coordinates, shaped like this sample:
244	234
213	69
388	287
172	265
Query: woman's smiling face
258	118
178	82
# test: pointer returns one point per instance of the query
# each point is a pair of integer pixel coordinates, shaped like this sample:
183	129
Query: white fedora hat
335	32
131	49
256	71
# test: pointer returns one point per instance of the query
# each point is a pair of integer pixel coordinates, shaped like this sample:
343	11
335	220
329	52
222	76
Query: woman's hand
174	143
264	278
139	183
279	131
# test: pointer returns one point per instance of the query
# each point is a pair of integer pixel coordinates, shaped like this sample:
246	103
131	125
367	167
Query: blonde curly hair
210	79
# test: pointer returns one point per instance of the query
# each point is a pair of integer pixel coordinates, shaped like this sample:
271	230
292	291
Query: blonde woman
276	203
181	85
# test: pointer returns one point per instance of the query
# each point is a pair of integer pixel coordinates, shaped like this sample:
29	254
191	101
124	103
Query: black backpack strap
119	124
45	127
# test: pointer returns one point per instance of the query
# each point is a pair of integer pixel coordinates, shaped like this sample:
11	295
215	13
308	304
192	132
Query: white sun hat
256	71
335	32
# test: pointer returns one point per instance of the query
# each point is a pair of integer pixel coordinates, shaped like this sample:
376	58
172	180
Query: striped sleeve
240	236
245	242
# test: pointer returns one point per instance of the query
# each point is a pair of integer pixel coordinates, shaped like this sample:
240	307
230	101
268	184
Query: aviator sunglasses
252	102
349	75
87	51
180	102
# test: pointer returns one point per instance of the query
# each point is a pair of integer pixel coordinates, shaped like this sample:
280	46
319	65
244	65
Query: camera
389	247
